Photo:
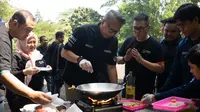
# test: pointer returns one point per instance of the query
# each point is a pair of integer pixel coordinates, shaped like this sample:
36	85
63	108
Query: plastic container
129	108
172	103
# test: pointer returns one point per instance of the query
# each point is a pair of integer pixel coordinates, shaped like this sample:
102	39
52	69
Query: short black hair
168	20
193	55
59	34
21	16
114	14
141	17
187	12
42	37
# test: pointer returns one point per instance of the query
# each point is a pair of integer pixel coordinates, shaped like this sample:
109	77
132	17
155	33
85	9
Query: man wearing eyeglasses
187	18
142	55
91	52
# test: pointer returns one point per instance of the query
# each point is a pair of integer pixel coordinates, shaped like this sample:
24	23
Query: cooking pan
100	91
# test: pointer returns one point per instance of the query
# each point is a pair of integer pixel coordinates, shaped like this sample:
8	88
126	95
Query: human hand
86	65
48	66
190	108
31	71
135	53
39	97
128	55
148	99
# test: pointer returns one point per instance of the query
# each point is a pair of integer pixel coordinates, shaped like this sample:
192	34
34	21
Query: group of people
183	78
90	55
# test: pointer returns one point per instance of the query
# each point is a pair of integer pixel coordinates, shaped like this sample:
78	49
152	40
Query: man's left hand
136	55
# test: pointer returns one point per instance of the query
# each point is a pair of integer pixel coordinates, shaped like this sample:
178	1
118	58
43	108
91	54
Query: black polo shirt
88	42
150	50
5	48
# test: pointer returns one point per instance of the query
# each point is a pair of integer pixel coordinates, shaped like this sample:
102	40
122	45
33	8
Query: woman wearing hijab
26	61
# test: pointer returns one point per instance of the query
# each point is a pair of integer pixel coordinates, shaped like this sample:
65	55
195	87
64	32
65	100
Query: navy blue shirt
180	73
88	42
150	50
169	49
190	90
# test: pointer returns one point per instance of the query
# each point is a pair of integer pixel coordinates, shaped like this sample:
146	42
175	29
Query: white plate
29	108
44	68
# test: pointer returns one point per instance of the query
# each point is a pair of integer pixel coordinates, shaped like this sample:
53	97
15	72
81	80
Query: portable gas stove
91	105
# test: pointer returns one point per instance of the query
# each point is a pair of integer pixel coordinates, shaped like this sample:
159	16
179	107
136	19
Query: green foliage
6	10
80	16
38	17
49	29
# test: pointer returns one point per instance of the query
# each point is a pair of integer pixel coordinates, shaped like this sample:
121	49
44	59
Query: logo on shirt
145	51
89	46
41	62
107	51
71	40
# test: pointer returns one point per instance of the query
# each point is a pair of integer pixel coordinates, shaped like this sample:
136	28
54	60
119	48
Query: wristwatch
79	59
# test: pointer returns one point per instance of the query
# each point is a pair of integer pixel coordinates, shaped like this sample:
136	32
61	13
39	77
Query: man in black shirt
43	45
142	55
19	26
53	58
91	51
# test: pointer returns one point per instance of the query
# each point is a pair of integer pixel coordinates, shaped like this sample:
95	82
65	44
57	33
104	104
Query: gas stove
87	106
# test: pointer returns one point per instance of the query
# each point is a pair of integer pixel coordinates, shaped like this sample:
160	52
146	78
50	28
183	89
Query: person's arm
12	83
69	55
124	53
155	67
16	86
74	45
111	61
189	90
112	72
125	58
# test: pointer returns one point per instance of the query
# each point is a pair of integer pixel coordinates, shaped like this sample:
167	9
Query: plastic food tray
164	104
141	106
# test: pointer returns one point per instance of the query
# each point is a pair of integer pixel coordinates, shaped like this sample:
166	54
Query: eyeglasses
139	28
111	30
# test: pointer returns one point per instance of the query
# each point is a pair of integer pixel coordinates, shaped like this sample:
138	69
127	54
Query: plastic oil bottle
130	86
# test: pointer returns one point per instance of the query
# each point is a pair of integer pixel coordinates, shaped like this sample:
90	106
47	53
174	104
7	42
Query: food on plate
60	108
176	104
132	104
72	87
41	110
173	100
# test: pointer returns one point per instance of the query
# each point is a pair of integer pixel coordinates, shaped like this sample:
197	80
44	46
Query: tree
80	16
38	17
49	29
6	10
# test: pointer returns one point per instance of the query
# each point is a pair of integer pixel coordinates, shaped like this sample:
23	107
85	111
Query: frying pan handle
123	83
